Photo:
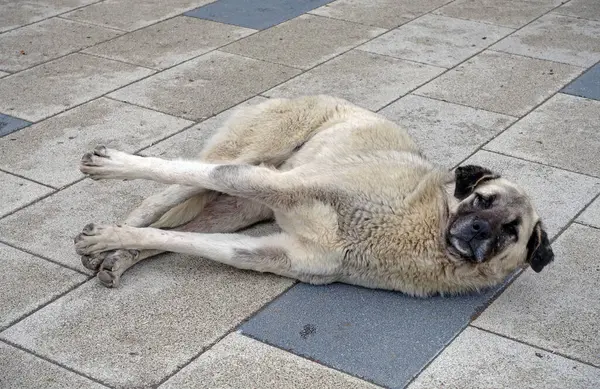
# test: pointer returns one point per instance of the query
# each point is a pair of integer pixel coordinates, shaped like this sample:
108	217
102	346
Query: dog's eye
482	201
512	228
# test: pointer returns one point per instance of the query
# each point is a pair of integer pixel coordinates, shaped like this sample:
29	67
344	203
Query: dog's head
493	219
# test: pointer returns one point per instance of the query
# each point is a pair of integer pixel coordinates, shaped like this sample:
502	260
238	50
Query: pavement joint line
55	363
116	60
586	224
90	23
463	105
478	21
28	179
400	58
571	16
530	57
575	359
410	19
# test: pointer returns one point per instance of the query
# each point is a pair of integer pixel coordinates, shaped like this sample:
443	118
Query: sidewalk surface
510	84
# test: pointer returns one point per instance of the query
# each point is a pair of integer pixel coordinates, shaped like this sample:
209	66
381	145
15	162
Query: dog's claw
100	150
89	229
108	279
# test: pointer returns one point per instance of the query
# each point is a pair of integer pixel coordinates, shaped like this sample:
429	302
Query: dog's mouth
467	251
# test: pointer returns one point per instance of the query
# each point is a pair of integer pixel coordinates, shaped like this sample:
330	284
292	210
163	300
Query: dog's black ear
468	177
539	252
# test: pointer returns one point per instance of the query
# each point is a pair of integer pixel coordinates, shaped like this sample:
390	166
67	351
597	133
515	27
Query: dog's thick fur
355	200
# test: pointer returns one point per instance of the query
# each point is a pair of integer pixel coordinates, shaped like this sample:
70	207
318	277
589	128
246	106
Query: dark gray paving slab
587	85
255	14
10	124
383	337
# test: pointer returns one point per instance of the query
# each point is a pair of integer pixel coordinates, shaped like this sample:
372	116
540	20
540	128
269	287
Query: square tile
558	195
240	362
501	82
587	85
562	132
478	359
447	133
29	282
383	337
9	124
166	311
26	371
591	215
436	40
46	40
206	85
18	192
508	13
556	38
170	42
379	13
18	13
49	151
304	42
558	308
586	9
130	15
368	80
61	84
255	14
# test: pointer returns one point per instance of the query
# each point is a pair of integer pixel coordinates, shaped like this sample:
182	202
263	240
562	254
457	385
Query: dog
355	199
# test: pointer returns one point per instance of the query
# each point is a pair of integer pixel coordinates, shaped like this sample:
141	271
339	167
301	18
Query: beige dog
353	196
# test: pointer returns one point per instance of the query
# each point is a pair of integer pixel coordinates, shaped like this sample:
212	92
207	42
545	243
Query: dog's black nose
480	228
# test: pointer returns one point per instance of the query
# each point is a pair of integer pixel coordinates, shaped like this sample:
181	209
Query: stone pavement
512	84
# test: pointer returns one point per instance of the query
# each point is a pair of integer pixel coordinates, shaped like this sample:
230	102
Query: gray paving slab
587	85
10	124
500	82
166	311
380	336
447	133
3	74
16	13
586	9
591	215
18	192
130	15
304	42
168	43
26	371
40	42
206	85
562	132
379	13
63	83
558	195
366	79
562	306
28	282
508	13
480	360
556	38
253	14
437	40
49	151
240	362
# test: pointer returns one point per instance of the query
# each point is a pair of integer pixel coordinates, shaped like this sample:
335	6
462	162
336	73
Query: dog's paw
111	265
95	239
104	163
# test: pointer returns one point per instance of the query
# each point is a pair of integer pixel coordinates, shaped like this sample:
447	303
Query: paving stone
379	13
587	85
206	85
46	40
508	13
49	151
304	41
591	216
558	309
26	371
366	79
558	195
3	74
241	362
130	15
586	9
501	82
61	84
556	38
29	282
478	360
170	42
447	133
562	132
17	13
17	192
166	311
380	336
9	124
56	220
437	40
257	15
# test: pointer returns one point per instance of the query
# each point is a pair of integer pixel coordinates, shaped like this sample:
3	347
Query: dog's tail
184	212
